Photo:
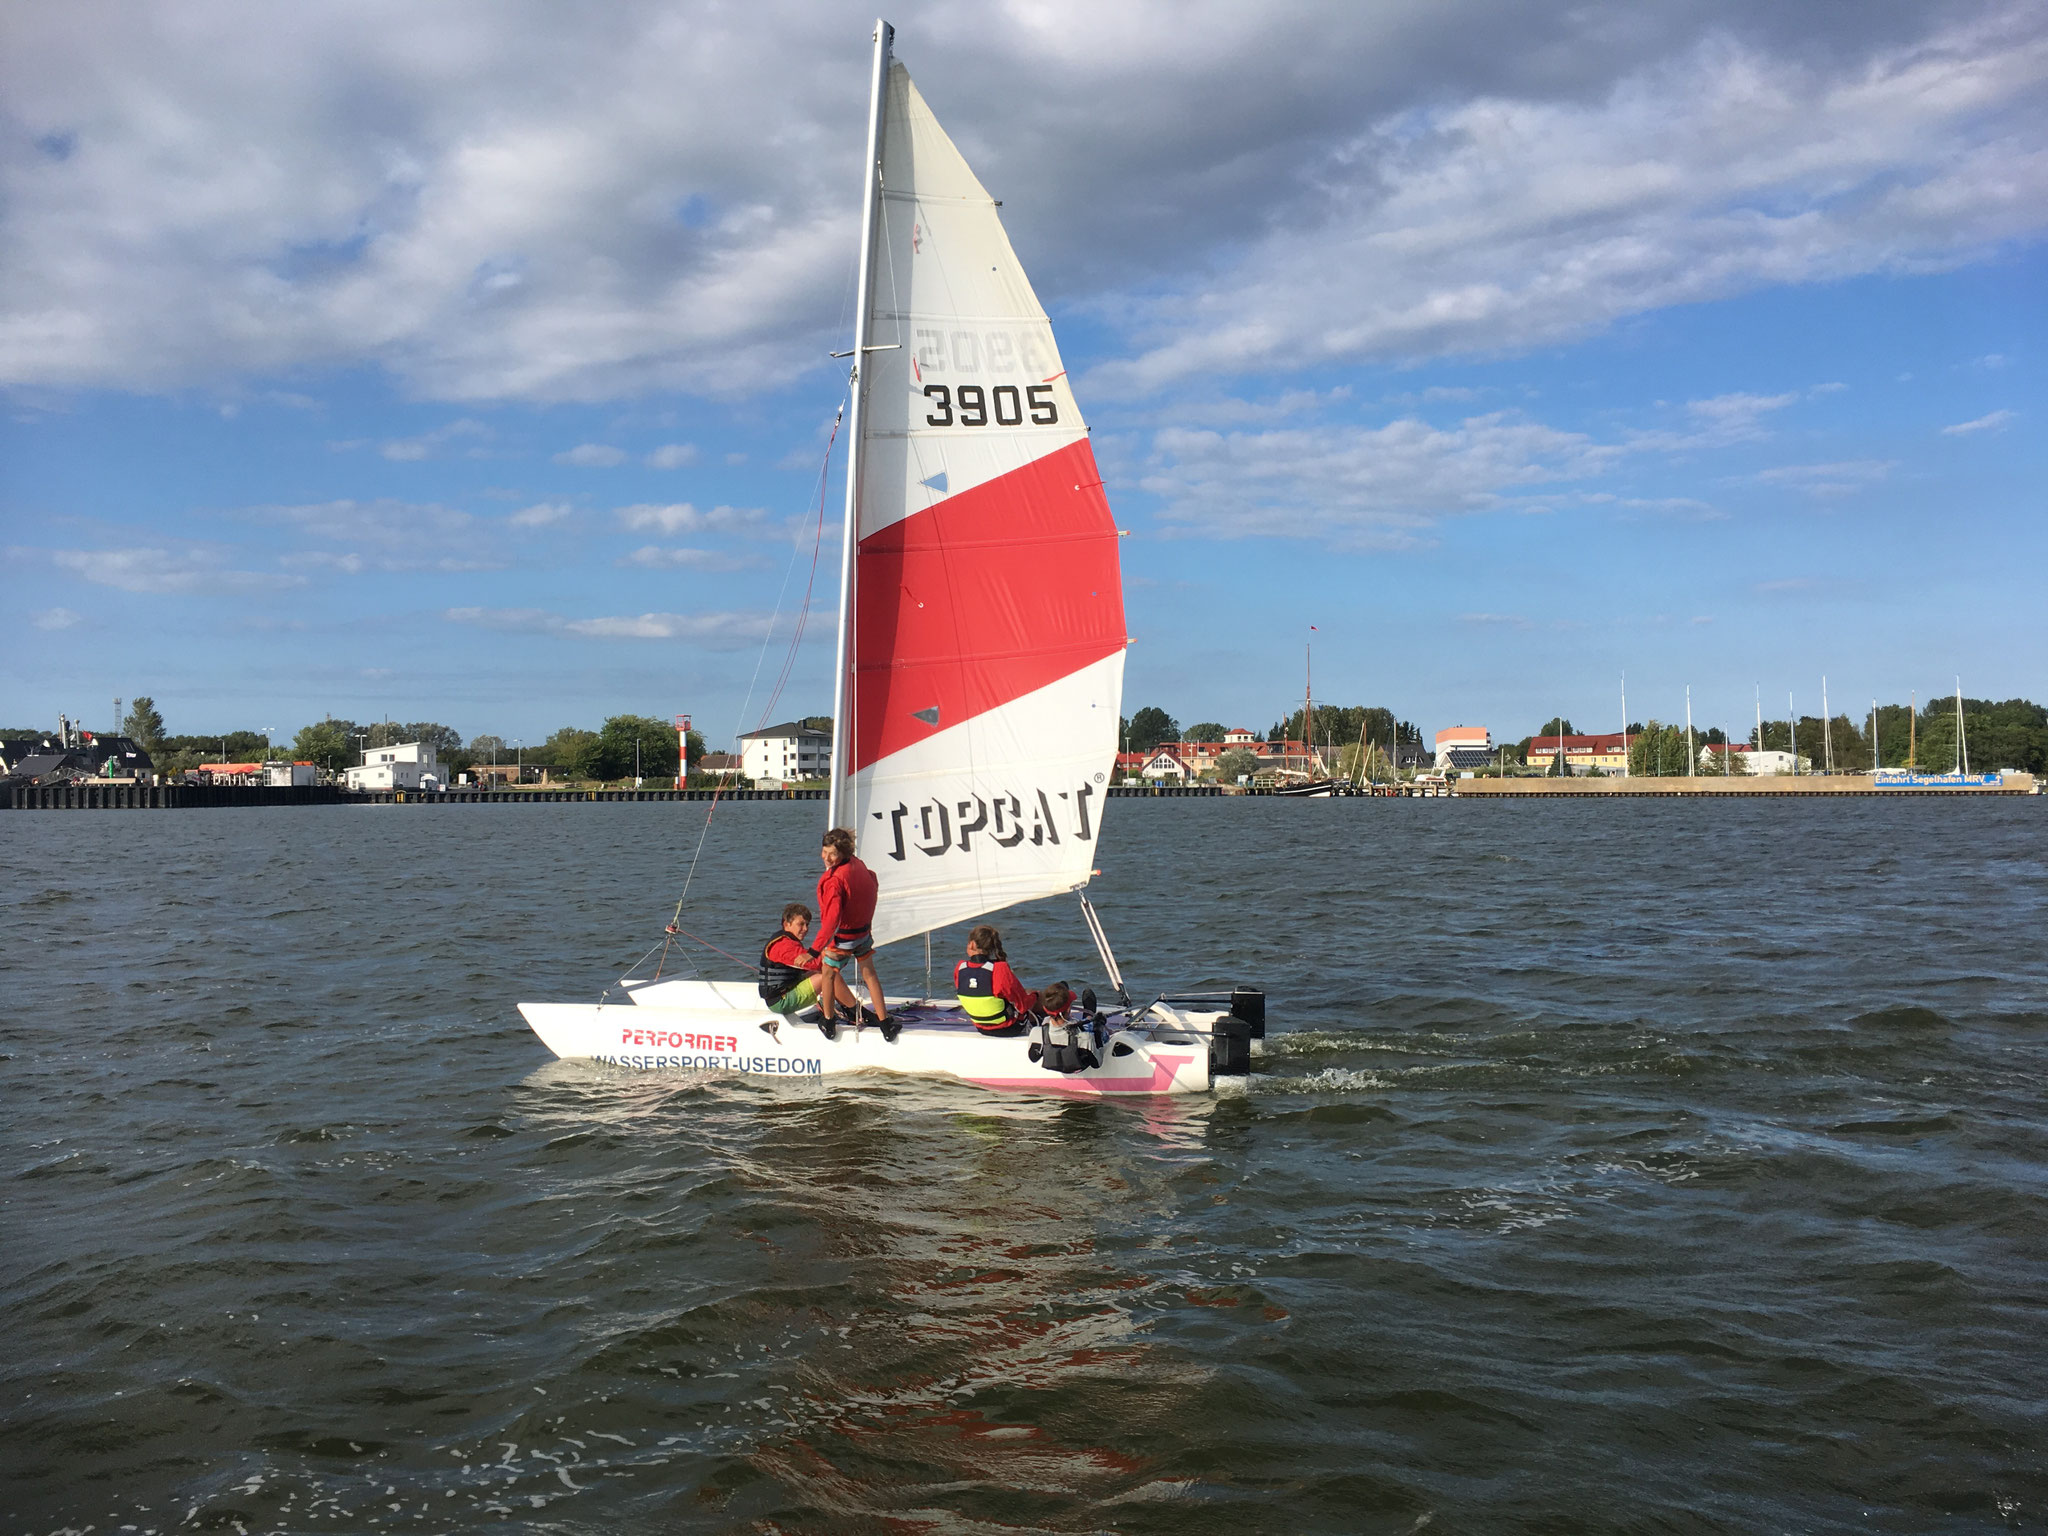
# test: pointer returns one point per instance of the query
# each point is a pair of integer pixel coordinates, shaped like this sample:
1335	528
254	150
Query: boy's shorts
802	995
850	952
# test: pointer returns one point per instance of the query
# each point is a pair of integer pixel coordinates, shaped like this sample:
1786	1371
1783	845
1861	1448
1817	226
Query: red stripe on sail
983	598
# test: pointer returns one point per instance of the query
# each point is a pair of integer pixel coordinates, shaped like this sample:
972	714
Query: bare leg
874	984
835	996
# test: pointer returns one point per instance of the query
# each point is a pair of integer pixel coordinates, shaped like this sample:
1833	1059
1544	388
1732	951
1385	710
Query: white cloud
672	456
1995	422
1504	220
56	618
1830	481
388	535
543	514
593	456
681	517
1716	422
714	631
1684	508
385	522
1738	412
1358	484
531	202
430	445
654	557
189	571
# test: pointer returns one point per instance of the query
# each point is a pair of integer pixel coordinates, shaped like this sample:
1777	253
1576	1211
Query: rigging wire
672	931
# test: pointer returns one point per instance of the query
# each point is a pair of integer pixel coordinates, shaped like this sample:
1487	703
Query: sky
471	362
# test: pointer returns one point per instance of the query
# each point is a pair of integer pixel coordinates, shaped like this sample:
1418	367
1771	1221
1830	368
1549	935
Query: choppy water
1617	1167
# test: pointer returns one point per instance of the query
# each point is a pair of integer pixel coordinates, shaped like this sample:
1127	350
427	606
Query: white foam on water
1329	1080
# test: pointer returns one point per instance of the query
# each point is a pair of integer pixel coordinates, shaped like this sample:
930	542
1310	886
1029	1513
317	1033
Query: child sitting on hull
792	978
988	991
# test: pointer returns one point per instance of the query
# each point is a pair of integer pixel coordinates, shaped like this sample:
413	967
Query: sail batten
983	672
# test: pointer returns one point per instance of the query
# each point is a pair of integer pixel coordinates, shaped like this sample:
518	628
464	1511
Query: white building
1165	768
1748	760
280	775
1772	762
1464	746
410	766
783	754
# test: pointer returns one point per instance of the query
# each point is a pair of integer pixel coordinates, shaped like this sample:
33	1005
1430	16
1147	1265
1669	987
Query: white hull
706	1026
1309	791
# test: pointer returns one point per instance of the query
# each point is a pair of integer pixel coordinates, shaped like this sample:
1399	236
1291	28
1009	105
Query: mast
1962	747
1912	729
863	322
1827	729
1692	752
1308	707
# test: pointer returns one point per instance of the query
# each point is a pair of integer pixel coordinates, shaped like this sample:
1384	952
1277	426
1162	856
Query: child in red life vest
846	905
988	990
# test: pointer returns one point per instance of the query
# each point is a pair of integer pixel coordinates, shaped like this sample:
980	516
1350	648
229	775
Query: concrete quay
1806	786
98	795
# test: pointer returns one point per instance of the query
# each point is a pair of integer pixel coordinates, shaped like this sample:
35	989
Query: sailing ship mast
863	323
1308	708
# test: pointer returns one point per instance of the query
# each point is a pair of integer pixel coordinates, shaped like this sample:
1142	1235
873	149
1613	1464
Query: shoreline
1804	785
87	795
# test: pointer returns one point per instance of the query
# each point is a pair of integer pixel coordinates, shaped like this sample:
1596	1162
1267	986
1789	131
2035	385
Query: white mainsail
978	709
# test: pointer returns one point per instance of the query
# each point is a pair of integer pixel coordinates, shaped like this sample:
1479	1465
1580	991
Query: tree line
2008	734
1342	725
625	746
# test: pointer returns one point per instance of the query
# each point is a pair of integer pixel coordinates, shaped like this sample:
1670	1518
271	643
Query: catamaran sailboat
980	665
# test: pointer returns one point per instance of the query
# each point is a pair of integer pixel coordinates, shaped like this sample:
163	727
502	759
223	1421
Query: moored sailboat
979	672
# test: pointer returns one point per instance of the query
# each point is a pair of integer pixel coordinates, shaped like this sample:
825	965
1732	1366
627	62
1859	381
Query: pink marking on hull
1161	1080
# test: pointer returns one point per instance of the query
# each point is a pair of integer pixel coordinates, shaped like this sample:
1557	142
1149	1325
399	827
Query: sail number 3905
970	405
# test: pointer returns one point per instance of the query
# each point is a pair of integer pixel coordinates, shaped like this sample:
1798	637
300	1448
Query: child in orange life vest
988	990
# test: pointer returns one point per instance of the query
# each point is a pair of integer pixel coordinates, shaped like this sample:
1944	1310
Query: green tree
1235	764
1556	725
613	755
1378	767
326	744
2012	734
569	752
1149	727
484	749
1344	723
144	726
1208	730
1657	750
